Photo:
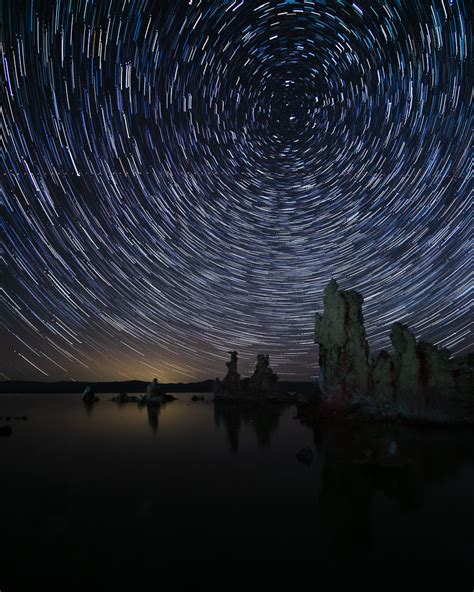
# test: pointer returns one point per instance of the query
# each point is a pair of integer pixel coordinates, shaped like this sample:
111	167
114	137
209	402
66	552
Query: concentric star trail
183	178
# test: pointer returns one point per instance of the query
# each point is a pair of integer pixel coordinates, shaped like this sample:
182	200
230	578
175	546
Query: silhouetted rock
343	347
264	381
89	396
153	389
155	394
261	386
230	386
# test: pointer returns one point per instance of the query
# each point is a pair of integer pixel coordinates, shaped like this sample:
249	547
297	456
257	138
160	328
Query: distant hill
128	386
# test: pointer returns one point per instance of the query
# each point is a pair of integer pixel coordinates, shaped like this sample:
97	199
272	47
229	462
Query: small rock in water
305	455
124	398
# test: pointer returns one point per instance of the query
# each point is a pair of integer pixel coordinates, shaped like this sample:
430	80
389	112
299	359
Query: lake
121	486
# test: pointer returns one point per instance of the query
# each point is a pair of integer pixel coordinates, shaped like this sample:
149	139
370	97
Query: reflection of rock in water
88	407
345	499
265	419
395	461
231	417
153	412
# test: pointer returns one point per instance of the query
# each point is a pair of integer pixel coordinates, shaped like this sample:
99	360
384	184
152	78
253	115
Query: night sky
184	178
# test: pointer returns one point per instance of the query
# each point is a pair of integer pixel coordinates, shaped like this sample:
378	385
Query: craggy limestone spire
343	347
419	379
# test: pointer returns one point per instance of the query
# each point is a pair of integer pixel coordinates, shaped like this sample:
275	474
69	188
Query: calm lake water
117	485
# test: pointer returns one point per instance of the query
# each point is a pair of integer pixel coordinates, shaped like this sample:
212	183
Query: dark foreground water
118	486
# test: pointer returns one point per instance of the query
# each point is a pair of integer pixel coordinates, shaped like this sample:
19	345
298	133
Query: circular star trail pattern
184	178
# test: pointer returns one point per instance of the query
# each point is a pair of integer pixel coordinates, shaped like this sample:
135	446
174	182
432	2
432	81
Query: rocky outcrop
343	347
429	382
406	367
262	385
230	385
463	370
264	381
124	398
88	396
419	380
383	384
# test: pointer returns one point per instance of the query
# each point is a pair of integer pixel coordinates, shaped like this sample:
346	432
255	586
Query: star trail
183	178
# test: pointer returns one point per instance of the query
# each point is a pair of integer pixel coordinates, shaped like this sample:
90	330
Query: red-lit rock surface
417	380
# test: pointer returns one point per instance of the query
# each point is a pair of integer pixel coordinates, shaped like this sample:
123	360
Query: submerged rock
305	455
124	398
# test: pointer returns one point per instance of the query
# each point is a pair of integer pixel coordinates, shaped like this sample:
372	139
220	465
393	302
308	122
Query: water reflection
263	418
78	489
361	465
153	412
88	407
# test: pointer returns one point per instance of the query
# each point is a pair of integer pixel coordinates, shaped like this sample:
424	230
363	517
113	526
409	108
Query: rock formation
383	379
406	368
264	381
263	384
88	396
429	382
419	380
230	385
343	347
